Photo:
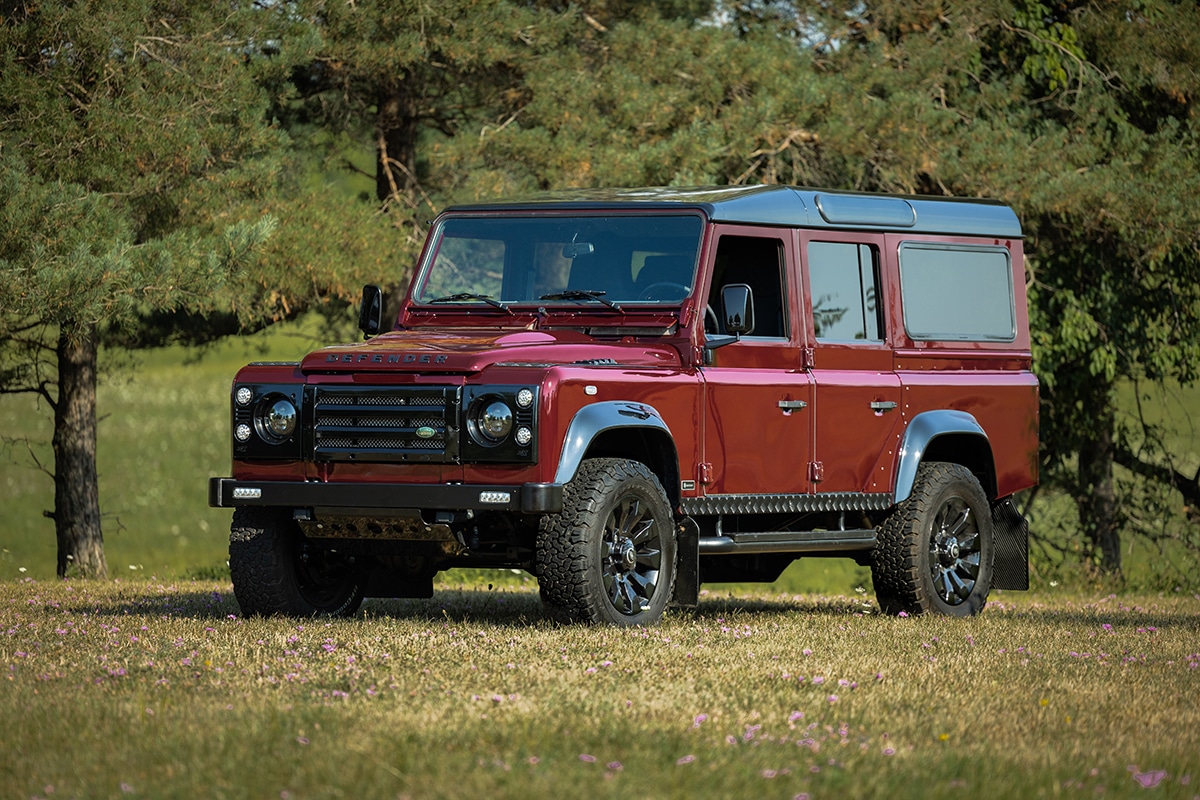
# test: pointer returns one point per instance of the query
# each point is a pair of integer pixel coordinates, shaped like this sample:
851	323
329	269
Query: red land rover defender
631	392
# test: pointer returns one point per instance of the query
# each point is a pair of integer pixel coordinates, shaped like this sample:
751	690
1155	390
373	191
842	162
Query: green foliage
69	258
1053	45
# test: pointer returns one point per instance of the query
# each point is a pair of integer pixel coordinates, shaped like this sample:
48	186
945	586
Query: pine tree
129	132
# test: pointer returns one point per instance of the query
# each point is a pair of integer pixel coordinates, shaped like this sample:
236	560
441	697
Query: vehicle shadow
503	605
520	605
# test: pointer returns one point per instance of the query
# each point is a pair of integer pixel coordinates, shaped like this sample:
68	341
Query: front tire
609	556
934	553
276	571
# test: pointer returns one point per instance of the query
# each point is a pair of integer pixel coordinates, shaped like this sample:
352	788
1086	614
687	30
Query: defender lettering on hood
390	358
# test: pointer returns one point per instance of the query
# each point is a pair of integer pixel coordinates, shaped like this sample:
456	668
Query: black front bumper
355	498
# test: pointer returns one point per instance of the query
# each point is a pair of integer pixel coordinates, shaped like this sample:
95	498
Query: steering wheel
679	291
711	323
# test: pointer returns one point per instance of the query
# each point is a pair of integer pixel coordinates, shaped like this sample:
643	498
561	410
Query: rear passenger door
858	401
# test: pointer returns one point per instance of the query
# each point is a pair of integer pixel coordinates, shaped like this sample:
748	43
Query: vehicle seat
666	269
601	273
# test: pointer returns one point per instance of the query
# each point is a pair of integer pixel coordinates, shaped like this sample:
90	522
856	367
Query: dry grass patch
163	690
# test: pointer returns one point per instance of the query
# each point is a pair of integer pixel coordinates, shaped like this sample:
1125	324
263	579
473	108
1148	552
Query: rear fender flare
924	428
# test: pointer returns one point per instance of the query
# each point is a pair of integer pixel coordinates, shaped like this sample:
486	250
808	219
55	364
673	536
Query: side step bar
788	542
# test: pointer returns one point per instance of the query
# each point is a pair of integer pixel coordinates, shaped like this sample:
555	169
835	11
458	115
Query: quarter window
960	292
844	286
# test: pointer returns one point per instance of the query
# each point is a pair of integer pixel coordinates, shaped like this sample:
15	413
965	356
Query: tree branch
1166	474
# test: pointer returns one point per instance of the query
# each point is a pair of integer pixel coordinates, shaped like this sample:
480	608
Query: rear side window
844	286
959	292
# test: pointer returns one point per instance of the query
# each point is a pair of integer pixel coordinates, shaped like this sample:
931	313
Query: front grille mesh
385	424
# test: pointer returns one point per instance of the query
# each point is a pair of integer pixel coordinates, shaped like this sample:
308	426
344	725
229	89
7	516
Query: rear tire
610	555
934	553
276	571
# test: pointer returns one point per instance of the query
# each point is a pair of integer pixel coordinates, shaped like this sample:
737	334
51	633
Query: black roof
788	206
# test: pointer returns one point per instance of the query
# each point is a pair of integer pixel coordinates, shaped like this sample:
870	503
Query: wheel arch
619	429
945	435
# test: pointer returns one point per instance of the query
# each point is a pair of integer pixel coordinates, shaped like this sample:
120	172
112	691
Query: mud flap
687	569
1010	565
391	583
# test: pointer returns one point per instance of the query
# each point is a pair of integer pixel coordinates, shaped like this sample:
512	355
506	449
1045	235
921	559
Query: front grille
392	424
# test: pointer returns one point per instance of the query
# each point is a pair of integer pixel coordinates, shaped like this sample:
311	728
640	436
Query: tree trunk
396	129
76	488
1099	515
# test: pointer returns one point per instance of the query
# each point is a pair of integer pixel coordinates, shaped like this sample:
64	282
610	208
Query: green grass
163	690
163	431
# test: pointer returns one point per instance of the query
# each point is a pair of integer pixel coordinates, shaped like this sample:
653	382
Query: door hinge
807	358
705	472
816	471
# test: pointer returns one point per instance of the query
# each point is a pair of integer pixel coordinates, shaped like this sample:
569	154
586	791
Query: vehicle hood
466	351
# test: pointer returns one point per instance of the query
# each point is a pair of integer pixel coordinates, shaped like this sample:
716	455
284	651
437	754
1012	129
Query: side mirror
370	313
737	307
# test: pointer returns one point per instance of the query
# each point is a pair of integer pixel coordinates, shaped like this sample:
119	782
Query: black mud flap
1010	566
388	583
687	571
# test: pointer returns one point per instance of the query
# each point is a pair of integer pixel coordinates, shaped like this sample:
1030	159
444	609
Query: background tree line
166	169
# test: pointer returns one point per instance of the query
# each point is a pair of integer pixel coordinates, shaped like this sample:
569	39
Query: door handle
792	405
879	406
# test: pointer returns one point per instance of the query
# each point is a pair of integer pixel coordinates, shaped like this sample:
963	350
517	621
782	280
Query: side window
758	263
844	286
958	292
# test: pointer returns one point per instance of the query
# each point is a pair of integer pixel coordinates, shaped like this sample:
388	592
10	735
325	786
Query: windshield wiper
581	294
455	298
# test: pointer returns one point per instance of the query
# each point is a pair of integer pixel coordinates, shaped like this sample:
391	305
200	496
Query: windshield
567	260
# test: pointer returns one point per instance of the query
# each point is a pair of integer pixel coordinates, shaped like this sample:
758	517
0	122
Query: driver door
757	426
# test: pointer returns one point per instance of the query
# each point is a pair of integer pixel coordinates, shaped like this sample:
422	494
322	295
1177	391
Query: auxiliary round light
525	398
281	418
523	436
242	433
496	420
244	396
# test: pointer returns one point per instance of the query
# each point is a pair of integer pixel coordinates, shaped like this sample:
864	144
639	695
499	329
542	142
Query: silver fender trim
594	419
923	429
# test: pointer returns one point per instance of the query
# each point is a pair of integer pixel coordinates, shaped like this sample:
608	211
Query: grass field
144	688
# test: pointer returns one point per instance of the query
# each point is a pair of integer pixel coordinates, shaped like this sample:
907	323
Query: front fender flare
592	420
924	428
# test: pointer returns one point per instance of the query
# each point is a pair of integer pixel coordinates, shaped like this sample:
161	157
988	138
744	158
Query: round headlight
496	420
242	432
525	398
280	419
244	396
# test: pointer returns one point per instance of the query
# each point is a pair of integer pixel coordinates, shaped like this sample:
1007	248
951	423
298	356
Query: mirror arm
711	344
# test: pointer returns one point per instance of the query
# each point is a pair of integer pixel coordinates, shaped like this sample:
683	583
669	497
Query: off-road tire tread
562	565
262	581
896	566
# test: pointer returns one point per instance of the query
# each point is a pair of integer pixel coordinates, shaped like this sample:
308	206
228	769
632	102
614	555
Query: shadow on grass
158	601
498	606
519	605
